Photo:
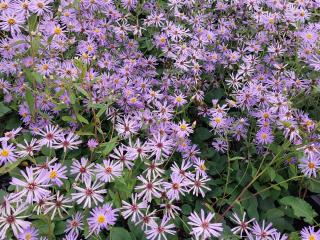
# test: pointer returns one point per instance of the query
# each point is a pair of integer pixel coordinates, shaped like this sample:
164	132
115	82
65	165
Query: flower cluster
142	111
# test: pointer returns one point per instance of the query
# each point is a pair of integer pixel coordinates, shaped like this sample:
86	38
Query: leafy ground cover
180	119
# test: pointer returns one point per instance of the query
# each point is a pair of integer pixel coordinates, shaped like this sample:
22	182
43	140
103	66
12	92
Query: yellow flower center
264	136
133	100
179	99
11	21
309	36
101	219
90	48
311	165
203	167
45	67
5	153
3	6
217	120
271	20
183	127
53	174
57	30
309	123
28	236
312	237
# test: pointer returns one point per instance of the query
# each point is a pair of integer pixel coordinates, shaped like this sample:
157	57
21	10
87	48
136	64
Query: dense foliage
179	119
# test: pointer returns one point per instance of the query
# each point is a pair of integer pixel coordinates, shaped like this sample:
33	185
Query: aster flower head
28	148
133	210
159	231
57	172
14	220
75	224
242	225
82	169
11	21
263	231
91	192
309	233
177	186
101	218
92	144
69	142
7	153
34	186
50	135
150	187
309	166
57	204
108	171
29	233
202	228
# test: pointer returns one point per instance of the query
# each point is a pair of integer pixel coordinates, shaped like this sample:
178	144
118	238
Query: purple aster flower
71	142
108	171
40	7
13	220
51	135
75	224
133	210
160	146
159	231
242	224
28	149
11	21
91	192
82	169
56	173
101	218
57	204
308	233
264	136
309	166
263	232
177	186
150	188
7	153
29	233
202	228
92	144
34	186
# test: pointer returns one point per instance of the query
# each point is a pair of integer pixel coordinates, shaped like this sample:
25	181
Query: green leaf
67	119
80	89
118	233
12	123
115	199
4	109
82	119
30	101
272	173
44	227
186	209
300	208
273	213
9	167
313	186
59	227
32	22
73	97
108	146
102	110
201	134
